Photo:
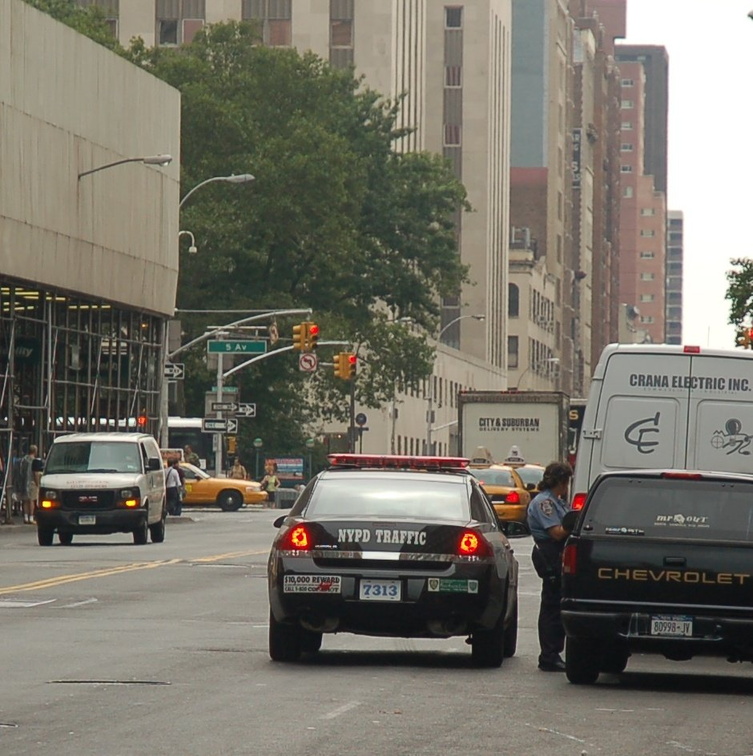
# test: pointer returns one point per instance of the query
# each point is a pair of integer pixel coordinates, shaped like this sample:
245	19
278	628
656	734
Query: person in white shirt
172	486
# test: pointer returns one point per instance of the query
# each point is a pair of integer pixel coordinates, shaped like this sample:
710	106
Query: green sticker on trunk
447	585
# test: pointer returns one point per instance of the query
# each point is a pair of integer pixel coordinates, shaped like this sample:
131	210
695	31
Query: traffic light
743	337
312	337
345	365
351	363
299	336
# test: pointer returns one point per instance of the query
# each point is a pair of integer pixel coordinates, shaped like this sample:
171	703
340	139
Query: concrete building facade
675	230
89	263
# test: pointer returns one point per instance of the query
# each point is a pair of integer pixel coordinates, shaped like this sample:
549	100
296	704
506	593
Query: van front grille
88	500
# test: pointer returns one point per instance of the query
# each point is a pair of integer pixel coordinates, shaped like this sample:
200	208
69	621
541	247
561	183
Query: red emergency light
397	461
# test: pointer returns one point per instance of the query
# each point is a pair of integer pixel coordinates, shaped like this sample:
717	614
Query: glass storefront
68	363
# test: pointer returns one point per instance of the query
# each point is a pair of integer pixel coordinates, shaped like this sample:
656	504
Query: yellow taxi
531	476
506	490
229	494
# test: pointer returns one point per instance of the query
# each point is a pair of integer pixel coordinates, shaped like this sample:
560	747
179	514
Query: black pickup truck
659	562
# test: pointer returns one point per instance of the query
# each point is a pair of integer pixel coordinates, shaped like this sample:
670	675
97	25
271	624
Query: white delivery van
96	483
666	407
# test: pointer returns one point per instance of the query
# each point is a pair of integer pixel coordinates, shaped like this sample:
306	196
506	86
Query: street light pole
430	393
241	178
149	160
549	360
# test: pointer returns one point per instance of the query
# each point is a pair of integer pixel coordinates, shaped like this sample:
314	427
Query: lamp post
258	443
241	178
548	360
310	443
430	393
192	250
393	414
149	160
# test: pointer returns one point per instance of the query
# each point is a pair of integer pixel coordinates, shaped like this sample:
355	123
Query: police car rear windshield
394	498
673	508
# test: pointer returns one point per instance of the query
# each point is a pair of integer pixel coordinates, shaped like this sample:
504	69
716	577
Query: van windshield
93	457
672	508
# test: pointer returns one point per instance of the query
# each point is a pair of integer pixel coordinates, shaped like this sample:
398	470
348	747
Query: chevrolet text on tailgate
393	546
659	562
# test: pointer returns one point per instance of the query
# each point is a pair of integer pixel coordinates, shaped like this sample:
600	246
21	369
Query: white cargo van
666	407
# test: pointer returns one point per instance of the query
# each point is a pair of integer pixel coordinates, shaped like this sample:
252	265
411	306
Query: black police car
393	546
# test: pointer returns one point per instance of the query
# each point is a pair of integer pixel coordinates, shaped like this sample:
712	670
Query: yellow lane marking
108	571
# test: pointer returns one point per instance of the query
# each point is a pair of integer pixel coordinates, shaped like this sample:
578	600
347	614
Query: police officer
545	515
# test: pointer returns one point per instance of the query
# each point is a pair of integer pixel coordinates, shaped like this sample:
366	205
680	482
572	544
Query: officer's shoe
556	665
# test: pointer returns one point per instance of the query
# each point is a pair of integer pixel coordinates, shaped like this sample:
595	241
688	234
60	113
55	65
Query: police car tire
284	640
511	634
488	646
310	642
582	660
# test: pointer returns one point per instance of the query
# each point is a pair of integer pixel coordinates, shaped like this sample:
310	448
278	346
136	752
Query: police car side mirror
278	522
514	529
570	520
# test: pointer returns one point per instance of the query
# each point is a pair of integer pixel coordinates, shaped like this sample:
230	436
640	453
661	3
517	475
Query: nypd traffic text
381	535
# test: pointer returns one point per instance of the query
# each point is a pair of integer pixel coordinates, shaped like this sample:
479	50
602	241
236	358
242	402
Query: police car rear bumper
437	604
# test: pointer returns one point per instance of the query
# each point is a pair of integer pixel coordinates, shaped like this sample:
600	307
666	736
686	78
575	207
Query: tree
89	20
740	291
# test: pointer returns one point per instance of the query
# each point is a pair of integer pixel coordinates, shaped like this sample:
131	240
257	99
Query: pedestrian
172	488
190	456
545	513
28	484
238	470
270	482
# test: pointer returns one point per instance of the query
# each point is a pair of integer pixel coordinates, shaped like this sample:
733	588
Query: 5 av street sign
242	346
175	371
215	425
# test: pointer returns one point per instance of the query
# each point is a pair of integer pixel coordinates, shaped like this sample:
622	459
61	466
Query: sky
710	174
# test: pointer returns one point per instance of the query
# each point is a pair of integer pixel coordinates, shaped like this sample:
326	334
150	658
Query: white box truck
536	422
666	407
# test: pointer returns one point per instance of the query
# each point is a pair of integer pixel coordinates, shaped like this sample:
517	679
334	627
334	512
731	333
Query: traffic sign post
219	425
174	371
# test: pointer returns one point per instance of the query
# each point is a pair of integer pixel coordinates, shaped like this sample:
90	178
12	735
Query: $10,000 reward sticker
312	584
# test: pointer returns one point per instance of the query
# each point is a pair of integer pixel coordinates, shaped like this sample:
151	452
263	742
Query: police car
394	546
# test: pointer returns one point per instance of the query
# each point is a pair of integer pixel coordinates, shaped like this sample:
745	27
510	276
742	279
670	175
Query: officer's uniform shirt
545	511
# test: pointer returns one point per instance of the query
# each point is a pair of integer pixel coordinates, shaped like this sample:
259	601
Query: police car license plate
379	590
674	627
87	519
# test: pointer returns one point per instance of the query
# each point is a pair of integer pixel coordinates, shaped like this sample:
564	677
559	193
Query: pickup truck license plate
673	627
379	590
87	519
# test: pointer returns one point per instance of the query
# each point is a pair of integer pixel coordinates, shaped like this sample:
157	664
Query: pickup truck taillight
570	559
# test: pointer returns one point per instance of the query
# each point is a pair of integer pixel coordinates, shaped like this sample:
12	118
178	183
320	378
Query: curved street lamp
149	160
430	393
241	178
547	361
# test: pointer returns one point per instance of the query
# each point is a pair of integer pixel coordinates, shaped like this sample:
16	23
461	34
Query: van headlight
128	493
50	499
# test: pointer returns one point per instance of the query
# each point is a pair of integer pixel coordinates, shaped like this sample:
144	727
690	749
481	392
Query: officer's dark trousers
551	632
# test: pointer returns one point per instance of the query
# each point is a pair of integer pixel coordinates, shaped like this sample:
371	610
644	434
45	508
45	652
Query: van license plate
379	590
87	519
673	627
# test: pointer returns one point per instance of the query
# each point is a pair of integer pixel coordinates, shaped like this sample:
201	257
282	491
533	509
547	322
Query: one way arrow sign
246	409
175	371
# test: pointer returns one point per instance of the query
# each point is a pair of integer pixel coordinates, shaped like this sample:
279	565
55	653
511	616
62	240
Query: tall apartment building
540	190
451	61
675	228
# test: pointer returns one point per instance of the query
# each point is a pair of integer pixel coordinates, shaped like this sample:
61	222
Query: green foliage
89	20
740	291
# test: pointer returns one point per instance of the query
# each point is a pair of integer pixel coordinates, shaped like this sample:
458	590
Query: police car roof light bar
397	461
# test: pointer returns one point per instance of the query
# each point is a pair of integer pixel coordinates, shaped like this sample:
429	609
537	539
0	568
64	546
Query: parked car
229	494
506	490
531	476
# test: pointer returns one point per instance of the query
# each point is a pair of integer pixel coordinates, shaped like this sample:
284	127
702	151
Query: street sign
216	425
243	346
246	409
308	362
360	419
175	370
224	407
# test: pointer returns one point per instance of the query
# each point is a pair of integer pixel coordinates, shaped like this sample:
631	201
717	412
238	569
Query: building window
648	232
647	319
280	32
647	255
512	351
647	297
168	31
513	300
627	192
626	147
627	126
647	276
626	169
648	211
453	18
342	33
453	76
626	104
627	83
451	135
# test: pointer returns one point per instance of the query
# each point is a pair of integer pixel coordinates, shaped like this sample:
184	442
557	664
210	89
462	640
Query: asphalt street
111	648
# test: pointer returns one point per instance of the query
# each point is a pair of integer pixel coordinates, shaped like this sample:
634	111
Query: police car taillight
570	559
298	538
512	498
472	543
579	500
397	462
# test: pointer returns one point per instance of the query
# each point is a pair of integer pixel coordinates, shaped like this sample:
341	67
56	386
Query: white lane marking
16	604
80	603
555	732
341	710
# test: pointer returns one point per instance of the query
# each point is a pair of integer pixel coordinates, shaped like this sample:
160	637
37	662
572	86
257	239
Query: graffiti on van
732	438
636	434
